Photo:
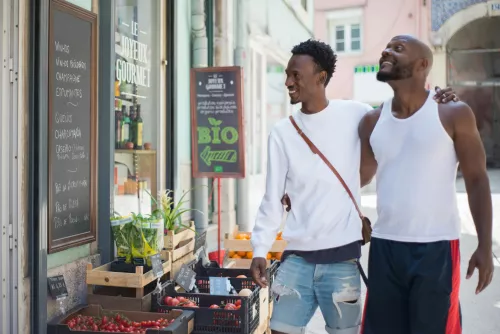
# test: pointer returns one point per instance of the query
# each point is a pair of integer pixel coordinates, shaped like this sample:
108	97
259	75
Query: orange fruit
279	237
249	255
236	256
232	253
278	255
269	256
241	254
242	236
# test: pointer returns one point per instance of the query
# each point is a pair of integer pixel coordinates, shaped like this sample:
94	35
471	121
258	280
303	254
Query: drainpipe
200	59
241	60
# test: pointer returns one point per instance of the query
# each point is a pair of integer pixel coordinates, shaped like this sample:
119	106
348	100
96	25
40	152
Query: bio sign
217	122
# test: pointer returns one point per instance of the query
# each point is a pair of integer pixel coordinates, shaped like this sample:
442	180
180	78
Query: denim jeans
300	287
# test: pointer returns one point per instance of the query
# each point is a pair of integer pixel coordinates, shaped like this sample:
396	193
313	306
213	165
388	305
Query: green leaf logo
213	121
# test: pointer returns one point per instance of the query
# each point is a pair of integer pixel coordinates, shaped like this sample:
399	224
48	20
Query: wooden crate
241	263
176	265
172	239
185	247
264	315
231	243
105	277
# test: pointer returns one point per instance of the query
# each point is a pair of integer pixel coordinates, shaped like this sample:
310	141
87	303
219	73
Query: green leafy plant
137	237
172	212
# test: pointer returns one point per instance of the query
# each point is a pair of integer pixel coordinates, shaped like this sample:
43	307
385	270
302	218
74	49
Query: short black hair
322	53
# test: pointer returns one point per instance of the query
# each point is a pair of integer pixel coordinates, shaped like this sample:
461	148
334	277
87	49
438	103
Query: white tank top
417	168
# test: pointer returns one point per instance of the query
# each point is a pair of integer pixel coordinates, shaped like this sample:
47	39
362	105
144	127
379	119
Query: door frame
10	182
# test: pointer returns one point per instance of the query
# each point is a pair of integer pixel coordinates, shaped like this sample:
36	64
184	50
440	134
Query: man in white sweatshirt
323	230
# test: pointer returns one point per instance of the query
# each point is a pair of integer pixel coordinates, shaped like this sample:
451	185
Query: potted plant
121	226
175	230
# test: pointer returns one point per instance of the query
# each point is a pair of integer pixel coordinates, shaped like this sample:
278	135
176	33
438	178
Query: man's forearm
479	194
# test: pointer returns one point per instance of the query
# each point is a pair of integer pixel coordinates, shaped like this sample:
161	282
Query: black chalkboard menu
218	148
72	126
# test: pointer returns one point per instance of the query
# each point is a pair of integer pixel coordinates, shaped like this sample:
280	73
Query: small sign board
57	287
200	241
157	265
186	278
219	286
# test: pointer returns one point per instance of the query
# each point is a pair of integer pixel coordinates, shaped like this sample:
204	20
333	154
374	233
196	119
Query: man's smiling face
302	78
396	62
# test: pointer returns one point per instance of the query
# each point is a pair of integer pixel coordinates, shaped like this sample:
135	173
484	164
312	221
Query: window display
137	105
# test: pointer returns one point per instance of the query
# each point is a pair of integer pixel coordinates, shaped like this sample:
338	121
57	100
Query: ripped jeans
300	287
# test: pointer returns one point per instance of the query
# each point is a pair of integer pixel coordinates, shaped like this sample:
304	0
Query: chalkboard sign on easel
186	278
72	126
157	265
200	241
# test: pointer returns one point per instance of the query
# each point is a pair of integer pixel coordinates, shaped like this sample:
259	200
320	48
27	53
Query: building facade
359	30
466	57
460	32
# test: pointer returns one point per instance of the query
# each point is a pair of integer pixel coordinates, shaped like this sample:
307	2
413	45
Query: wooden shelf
135	151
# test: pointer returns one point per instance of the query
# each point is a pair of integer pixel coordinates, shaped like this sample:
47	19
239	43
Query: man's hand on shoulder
445	95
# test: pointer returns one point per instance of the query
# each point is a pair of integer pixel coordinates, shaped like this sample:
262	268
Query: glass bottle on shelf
118	125
125	127
138	126
132	122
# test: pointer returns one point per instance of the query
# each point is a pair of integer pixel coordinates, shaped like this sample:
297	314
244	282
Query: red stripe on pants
453	324
364	315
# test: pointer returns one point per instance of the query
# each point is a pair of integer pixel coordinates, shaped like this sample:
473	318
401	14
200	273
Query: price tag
219	286
57	287
186	278
200	241
157	265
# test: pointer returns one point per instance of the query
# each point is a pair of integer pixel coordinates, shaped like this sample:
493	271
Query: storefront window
137	105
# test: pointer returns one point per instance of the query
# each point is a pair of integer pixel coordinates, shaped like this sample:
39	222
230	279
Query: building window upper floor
345	30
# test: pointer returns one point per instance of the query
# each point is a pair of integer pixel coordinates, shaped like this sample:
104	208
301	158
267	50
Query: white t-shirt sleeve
271	210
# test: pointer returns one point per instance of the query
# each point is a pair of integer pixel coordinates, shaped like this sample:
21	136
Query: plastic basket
245	320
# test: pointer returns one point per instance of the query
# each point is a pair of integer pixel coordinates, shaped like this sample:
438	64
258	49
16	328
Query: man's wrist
259	252
485	245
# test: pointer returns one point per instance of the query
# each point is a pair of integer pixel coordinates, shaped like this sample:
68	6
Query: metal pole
200	59
241	60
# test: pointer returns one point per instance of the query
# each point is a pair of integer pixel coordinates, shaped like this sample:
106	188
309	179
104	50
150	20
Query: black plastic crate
203	284
179	326
233	272
244	320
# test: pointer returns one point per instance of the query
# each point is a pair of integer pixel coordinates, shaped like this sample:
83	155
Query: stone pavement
481	313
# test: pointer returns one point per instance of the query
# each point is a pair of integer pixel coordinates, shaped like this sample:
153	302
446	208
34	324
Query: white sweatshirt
322	214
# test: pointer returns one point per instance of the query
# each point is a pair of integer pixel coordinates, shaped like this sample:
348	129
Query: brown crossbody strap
315	150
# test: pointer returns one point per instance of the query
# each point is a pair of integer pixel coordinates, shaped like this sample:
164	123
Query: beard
396	73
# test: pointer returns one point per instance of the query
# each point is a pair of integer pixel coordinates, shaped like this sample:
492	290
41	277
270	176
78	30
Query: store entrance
474	72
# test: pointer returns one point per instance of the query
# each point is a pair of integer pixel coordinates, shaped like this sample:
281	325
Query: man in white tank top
414	146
